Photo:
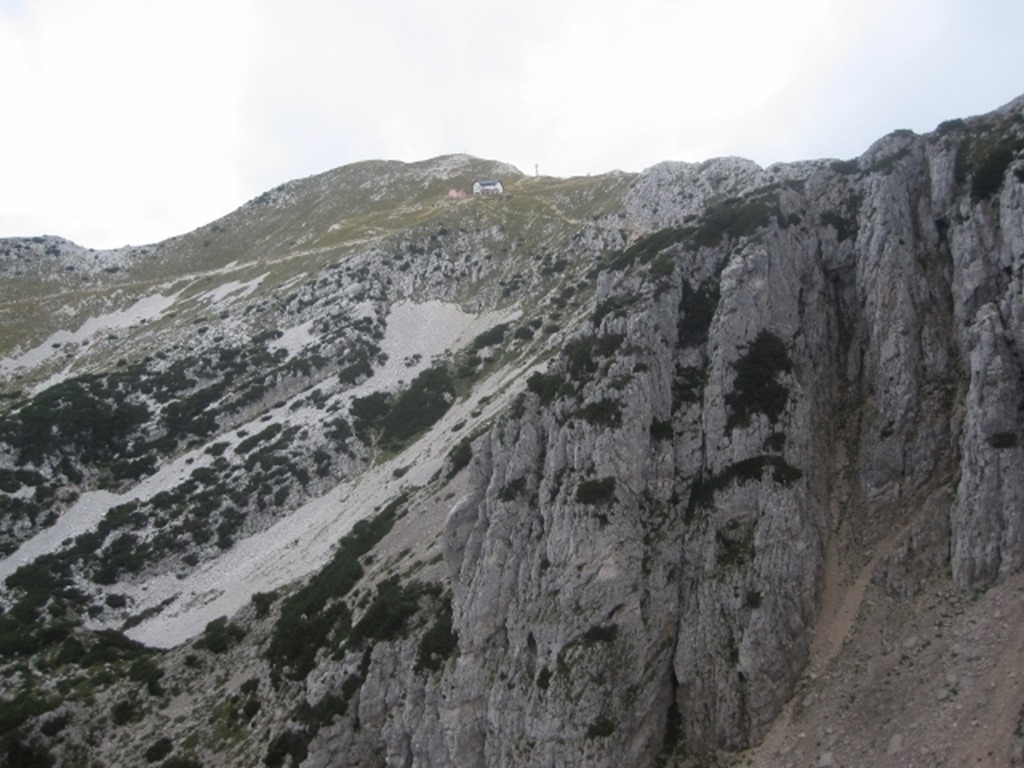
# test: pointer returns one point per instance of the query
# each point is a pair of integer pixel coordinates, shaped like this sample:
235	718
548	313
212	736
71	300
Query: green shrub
596	491
845	167
845	226
386	616
55	725
179	761
219	635
1001	440
439	643
419	407
649	246
159	749
124	712
315	611
599	633
247	445
294	744
704	487
524	333
988	176
368	413
548	386
146	671
513	489
604	412
21	755
736	217
544	678
352	373
735	545
602	727
696	311
460	456
583	355
756	388
262	601
661	430
490	337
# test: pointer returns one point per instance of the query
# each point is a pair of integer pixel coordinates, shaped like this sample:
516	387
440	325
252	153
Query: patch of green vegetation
548	386
687	386
513	489
600	633
88	417
265	435
220	635
386	617
647	247
704	487
544	678
845	167
292	744
440	642
490	337
696	311
460	456
617	306
983	156
600	491
394	420
735	544
756	388
315	612
20	754
601	728
661	430
159	749
145	670
736	217
427	399
1003	440
845	226
990	170
22	707
583	355
605	412
262	601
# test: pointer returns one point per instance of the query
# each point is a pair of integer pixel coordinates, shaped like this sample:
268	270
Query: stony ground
934	681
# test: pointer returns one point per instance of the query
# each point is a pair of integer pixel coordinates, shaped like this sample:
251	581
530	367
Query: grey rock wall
691	590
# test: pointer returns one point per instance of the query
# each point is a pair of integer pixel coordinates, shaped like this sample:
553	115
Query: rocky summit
708	465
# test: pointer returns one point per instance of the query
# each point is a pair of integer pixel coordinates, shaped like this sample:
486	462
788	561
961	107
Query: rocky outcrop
641	554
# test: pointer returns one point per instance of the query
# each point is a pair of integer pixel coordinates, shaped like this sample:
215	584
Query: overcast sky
130	121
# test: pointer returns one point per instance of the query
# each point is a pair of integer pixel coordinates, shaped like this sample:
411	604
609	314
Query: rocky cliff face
728	389
642	550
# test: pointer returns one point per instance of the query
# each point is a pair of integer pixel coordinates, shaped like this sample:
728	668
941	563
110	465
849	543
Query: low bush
602	727
439	643
159	749
756	388
490	337
604	412
596	491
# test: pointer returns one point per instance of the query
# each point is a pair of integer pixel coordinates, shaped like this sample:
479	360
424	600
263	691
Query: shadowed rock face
702	392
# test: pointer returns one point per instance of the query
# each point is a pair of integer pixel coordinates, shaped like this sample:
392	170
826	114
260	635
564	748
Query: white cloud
132	121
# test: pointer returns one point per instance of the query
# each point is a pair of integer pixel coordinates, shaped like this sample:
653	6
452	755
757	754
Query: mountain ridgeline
705	464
